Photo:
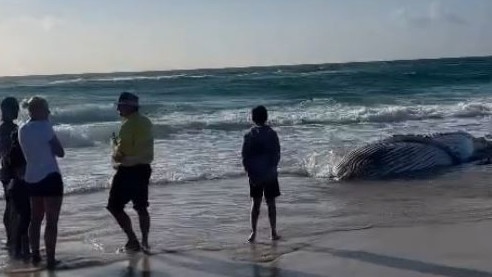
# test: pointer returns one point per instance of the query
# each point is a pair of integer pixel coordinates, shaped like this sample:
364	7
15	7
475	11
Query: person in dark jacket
261	155
20	210
10	112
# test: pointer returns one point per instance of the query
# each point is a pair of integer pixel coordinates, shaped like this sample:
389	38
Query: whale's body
402	154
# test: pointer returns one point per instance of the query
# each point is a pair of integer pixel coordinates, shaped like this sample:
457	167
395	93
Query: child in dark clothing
261	155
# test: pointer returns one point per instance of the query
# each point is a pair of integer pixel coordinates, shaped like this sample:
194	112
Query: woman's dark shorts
50	186
130	184
270	189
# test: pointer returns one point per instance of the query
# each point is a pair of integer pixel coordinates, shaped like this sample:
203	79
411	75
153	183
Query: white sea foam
87	125
126	78
84	113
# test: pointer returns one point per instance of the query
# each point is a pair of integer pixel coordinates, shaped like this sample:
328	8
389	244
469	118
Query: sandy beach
431	250
370	229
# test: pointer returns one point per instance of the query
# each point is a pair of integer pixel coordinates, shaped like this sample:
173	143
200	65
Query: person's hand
118	157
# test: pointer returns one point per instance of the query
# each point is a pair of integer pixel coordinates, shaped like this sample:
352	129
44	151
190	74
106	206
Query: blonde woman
41	146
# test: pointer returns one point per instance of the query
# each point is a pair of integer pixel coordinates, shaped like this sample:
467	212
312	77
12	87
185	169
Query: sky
78	36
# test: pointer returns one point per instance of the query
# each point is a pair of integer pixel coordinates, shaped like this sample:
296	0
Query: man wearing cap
133	152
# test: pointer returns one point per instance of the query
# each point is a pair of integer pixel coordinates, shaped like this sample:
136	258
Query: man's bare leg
144	219
126	225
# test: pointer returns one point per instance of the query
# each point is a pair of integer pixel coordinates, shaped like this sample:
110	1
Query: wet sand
352	229
432	250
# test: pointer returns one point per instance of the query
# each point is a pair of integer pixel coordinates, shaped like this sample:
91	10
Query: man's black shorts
130	184
270	189
51	185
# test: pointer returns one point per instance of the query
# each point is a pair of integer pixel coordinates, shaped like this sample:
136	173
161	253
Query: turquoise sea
199	197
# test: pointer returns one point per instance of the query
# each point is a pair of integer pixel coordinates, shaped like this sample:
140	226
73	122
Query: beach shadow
404	263
230	268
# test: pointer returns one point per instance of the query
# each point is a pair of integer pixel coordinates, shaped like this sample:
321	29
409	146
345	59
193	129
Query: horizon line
243	67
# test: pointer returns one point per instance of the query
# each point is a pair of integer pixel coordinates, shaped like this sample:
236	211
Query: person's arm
124	144
5	139
245	152
5	142
276	144
56	147
50	136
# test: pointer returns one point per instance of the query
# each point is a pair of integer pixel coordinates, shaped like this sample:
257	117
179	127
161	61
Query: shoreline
323	226
426	250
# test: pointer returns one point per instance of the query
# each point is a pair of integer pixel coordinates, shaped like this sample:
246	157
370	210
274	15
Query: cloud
434	13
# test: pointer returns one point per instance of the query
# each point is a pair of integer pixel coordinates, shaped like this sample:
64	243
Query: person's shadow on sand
403	263
210	265
226	268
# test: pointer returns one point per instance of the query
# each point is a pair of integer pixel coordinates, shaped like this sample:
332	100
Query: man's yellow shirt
135	142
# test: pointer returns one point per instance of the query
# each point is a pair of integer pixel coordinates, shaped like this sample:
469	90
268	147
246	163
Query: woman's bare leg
52	207
37	215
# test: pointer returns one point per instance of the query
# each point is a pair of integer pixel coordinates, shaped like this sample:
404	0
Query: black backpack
14	157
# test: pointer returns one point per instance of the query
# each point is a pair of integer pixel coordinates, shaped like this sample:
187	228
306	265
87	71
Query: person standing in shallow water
16	193
41	147
10	112
261	155
133	152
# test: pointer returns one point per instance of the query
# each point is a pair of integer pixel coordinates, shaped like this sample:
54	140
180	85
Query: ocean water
199	197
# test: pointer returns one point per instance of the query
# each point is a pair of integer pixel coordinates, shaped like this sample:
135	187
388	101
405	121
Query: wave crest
84	114
132	78
89	125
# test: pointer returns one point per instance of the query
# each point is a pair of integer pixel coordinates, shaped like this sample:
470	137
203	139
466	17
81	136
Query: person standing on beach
261	155
16	193
41	147
133	152
10	112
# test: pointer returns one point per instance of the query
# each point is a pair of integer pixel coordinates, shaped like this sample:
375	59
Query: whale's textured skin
402	154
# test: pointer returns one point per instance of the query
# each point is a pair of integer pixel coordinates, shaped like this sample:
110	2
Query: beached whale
401	154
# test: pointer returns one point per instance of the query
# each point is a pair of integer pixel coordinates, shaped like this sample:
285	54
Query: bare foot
275	237
52	264
133	246
146	248
252	237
